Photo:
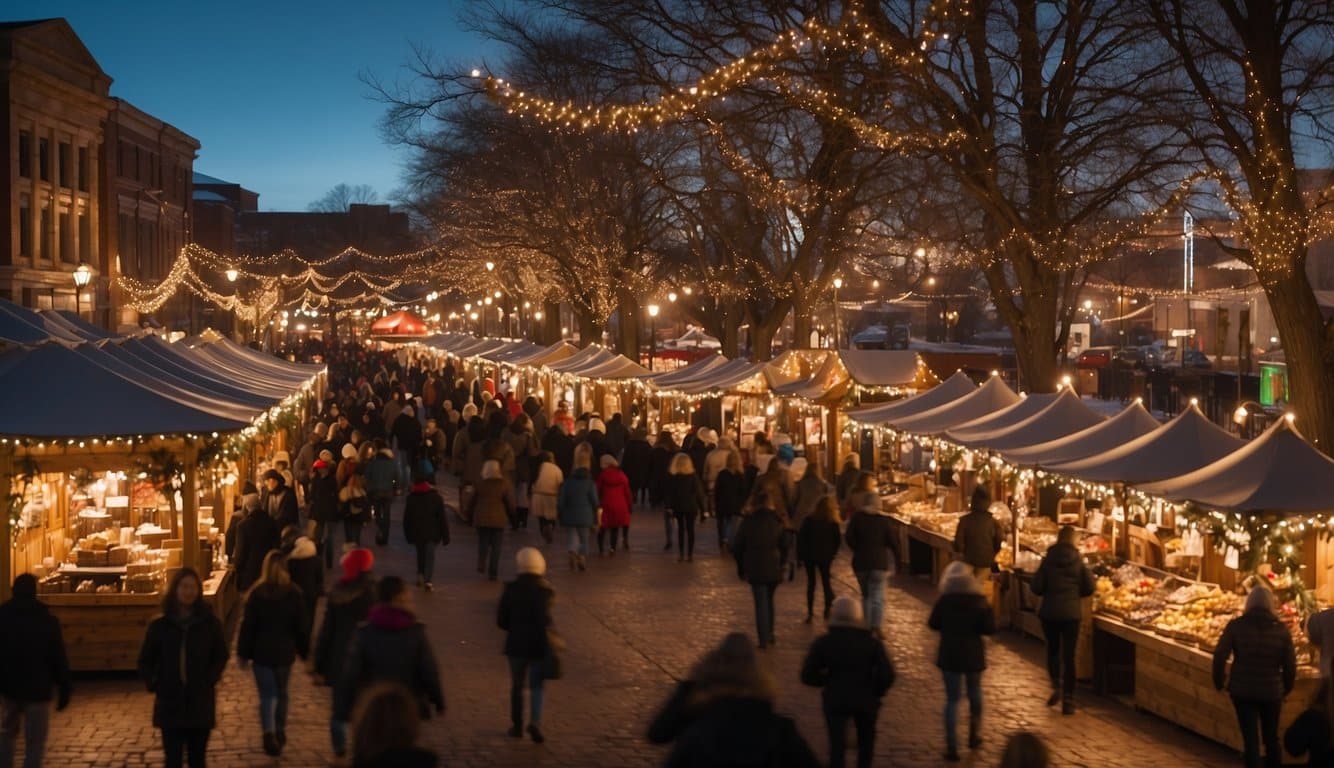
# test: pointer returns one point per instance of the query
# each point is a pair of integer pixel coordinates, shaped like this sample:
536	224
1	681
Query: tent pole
6	532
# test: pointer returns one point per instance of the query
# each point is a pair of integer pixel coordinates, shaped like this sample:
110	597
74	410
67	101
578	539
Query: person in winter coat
561	445
523	446
577	507
525	616
659	475
873	554
407	434
1264	669
685	498
425	526
305	458
776	485
729	497
490	510
1062	581
807	491
978	538
546	487
723	715
33	665
181	661
705	440
256	535
847	477
303	567
324	507
385	728
637	463
274	631
617	500
279	500
392	646
474	452
349	465
962	616
1310	734
818	541
354	506
349	604
382	479
435	446
855	672
761	553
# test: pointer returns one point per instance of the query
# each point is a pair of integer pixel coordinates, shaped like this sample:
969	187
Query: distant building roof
210	197
203	178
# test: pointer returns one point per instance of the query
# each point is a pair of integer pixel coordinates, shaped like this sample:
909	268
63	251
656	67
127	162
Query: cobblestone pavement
635	623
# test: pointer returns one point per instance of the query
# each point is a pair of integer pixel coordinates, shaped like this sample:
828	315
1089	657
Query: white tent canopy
1125	426
1027	406
986	399
1065	415
1182	445
947	391
1278	471
880	367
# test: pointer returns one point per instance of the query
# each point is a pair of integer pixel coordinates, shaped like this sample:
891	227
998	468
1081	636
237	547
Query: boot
271	745
583	564
1068	704
974	733
1055	697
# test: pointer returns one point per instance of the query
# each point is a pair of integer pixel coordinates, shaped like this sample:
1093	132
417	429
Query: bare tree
342	196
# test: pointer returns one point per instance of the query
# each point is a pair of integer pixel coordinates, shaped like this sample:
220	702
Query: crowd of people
390	429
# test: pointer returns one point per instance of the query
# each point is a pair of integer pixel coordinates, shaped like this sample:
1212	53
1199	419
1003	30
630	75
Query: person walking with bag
274	631
33	665
818	541
181	661
425	525
530	643
962	616
1062	581
855	672
1264	669
761	552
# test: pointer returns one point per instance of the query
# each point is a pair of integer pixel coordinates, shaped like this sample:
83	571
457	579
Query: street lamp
652	332
232	274
82	274
490	266
838	283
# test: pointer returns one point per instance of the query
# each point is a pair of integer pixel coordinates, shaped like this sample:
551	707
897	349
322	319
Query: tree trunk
762	339
589	330
731	335
627	322
801	324
548	330
1029	307
1308	347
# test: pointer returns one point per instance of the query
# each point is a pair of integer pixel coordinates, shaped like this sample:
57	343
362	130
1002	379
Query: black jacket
740	733
760	547
181	661
324	506
274	628
638	464
256	535
729	493
32	652
407	433
685	495
872	542
659	473
424	517
307	572
525	614
561	446
1310	733
348	605
281	506
1264	664
818	541
391	646
1062	579
851	666
962	618
978	539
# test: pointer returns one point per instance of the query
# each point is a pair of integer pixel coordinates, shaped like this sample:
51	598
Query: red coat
614	493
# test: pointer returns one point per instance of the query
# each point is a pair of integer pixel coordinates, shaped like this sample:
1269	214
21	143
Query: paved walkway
635	624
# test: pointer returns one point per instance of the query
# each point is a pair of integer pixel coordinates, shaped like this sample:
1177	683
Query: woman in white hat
962	616
854	671
530	643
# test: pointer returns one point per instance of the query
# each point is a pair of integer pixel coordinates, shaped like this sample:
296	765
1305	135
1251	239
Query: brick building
375	229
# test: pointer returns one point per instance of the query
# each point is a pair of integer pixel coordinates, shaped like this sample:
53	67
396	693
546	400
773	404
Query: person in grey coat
1062	581
1264	669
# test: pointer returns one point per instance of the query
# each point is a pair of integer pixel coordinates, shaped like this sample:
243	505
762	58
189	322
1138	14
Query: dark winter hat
981	500
274	474
25	586
249	488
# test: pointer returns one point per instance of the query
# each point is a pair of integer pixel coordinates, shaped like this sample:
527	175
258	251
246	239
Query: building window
66	237
85	237
48	233
25	225
83	169
125	242
25	154
44	159
65	158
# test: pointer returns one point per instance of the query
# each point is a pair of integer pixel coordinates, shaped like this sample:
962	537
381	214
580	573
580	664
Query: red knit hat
357	562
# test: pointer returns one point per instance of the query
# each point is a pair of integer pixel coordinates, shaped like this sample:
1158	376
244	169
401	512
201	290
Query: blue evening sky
270	89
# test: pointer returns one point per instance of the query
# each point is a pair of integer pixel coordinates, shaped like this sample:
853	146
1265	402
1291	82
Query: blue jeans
764	612
536	679
380	503
36	718
272	685
953	693
872	584
488	551
577	536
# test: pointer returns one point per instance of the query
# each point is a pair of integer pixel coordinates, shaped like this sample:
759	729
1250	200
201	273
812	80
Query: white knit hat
846	612
595	425
530	560
349	451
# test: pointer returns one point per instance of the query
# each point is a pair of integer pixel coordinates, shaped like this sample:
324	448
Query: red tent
401	324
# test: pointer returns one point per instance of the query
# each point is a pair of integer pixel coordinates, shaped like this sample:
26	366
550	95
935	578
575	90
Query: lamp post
838	283
486	302
232	274
82	274
652	332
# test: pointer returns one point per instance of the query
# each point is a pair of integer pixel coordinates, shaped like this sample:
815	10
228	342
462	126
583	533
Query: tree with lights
1255	93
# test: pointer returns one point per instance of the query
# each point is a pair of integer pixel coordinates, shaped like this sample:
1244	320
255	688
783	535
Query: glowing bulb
653	310
477	73
672	297
838	283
